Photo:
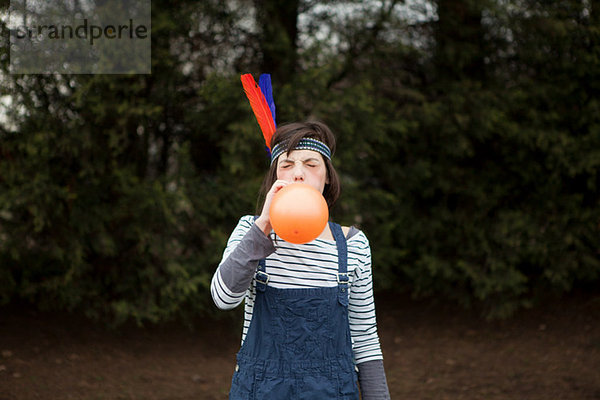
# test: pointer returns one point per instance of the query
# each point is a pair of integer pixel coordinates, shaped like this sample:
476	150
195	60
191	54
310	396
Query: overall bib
298	345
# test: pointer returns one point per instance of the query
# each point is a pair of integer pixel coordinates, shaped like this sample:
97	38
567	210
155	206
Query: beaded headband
303	144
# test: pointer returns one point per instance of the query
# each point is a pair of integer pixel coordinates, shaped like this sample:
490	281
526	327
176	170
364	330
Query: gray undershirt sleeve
239	268
373	384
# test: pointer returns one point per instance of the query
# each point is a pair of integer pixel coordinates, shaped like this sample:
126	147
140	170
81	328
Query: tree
467	149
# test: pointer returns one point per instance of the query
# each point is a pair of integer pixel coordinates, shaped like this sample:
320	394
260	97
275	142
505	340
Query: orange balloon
298	213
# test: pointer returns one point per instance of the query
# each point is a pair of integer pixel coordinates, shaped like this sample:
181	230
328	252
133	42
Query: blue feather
264	82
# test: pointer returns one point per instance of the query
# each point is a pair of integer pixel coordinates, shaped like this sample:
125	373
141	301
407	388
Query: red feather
260	107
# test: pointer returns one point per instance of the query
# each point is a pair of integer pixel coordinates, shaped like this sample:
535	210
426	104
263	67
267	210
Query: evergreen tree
468	139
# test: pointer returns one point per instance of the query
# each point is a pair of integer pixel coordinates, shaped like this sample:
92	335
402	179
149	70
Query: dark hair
292	133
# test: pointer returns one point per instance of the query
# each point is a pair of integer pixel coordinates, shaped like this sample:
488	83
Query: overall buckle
262	277
342	278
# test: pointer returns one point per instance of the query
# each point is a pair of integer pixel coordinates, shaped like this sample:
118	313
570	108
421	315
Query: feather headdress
261	100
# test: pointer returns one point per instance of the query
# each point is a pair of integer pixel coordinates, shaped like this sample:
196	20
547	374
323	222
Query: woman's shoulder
247	219
355	236
358	246
346	230
244	224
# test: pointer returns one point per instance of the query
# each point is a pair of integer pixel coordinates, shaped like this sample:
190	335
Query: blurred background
468	148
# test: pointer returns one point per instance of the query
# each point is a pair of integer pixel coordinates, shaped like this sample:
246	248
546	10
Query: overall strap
342	276
261	276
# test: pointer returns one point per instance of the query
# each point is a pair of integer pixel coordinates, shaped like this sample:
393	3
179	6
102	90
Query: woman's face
303	166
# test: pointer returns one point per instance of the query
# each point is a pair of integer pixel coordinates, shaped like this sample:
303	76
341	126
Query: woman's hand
263	221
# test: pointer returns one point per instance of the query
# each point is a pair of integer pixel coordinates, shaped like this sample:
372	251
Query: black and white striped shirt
310	265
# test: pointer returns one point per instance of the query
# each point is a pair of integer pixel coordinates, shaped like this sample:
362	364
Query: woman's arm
245	247
363	324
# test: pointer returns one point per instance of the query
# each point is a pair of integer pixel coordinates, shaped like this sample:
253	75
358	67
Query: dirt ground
431	352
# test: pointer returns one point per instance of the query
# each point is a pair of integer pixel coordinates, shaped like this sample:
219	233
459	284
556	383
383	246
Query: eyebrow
289	160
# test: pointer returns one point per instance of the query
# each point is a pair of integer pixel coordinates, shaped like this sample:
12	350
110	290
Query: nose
298	173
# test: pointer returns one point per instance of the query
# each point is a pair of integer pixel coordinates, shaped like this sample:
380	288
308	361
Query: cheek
283	174
324	174
320	176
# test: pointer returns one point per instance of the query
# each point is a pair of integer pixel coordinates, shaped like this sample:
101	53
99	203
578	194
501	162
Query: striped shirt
310	265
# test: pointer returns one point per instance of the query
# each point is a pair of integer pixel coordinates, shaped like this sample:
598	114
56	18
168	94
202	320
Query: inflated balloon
298	213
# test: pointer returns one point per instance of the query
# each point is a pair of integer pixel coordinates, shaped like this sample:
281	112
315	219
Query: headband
303	144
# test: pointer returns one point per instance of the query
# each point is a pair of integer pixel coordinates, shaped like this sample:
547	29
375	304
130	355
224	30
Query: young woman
309	329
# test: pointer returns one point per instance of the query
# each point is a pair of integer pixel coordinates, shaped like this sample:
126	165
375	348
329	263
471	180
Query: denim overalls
298	345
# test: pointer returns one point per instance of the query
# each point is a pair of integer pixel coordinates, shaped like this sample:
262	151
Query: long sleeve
372	380
245	247
361	309
363	325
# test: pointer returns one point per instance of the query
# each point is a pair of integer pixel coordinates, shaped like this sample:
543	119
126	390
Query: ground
431	352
